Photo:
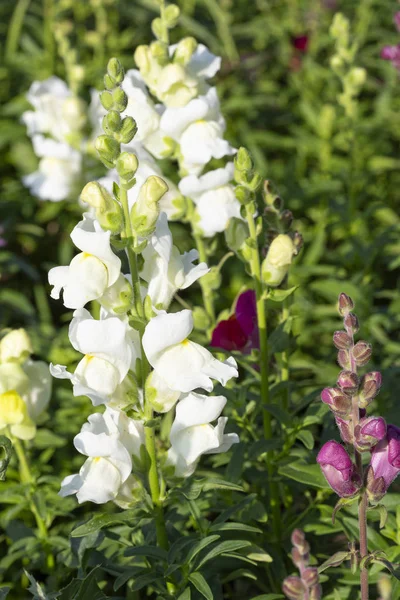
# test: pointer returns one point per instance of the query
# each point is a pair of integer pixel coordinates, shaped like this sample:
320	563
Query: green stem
27	477
255	267
285	360
164	31
14	29
207	292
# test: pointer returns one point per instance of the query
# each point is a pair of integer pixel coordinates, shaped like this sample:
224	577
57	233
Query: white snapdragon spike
198	127
214	197
166	270
109	353
58	172
192	434
108	466
92	271
182	364
56	111
170	202
31	381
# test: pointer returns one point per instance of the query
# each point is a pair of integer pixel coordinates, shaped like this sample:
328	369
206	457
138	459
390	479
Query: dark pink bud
385	461
339	471
341	340
369	432
348	382
310	576
346	430
345	304
369	388
343	359
362	353
337	400
294	588
351	323
297	557
298	538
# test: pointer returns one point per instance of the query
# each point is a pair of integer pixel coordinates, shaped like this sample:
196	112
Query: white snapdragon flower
170	202
108	441
214	197
192	434
166	270
203	64
57	112
91	271
58	171
15	346
198	127
182	364
109	353
31	381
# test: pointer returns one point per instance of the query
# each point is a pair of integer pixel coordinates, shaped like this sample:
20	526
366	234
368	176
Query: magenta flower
301	43
339	471
240	331
369	432
385	463
392	53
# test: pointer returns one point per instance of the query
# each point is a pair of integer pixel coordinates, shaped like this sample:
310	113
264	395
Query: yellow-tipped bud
16	346
108	210
279	257
145	211
14	416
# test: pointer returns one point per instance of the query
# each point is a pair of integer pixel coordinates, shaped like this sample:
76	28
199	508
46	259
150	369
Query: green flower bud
120	99
108	210
106	100
279	257
111	122
127	131
145	211
236	234
171	15
127	165
115	70
159	51
357	77
201	319
243	160
109	82
157	28
243	194
118	297
185	50
108	149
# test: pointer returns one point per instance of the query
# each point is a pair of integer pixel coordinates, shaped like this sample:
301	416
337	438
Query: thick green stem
207	292
27	477
255	267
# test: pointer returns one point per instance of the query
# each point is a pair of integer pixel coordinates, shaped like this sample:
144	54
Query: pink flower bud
315	592
370	386
346	430
341	340
369	432
298	538
339	471
294	588
362	353
337	401
385	463
343	359
345	304
351	323
348	382
310	576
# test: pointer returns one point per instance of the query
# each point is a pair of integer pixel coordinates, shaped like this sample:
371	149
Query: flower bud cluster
25	386
307	586
348	402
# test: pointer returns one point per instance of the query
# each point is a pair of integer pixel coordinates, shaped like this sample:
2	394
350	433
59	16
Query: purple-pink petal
332	453
246	311
393	438
374	427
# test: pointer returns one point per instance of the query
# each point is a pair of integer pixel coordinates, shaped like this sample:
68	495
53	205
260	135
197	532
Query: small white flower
192	434
56	111
109	353
92	271
182	364
214	197
58	172
166	270
31	381
198	127
108	466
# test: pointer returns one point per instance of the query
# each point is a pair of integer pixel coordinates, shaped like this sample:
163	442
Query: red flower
240	331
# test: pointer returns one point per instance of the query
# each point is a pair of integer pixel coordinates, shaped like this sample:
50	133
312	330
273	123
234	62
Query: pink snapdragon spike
369	432
339	471
240	331
385	463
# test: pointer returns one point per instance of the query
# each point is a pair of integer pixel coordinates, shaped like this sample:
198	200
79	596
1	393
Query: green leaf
104	520
232	526
144	580
4	592
276	411
394	569
306	437
223	547
201	585
280	295
186	594
260	447
147	551
6	445
258	554
334	561
200	546
303	473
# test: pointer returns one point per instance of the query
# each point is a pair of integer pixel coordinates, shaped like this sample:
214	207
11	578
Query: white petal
166	330
197	409
101	481
38	395
70	485
193	186
194	441
98	374
160	395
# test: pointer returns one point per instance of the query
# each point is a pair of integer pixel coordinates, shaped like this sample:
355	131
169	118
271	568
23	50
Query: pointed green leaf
201	585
